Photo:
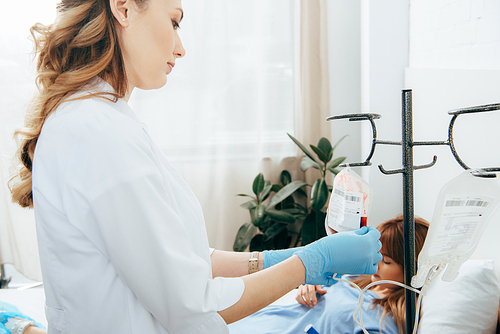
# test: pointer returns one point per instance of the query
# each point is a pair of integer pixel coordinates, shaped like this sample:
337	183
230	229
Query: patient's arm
232	264
34	330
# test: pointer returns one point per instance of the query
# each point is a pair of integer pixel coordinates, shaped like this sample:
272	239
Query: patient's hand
306	294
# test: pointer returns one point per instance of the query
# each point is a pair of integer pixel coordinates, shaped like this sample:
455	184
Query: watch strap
253	263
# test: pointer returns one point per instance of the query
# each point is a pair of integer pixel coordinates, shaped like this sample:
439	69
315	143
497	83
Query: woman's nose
179	50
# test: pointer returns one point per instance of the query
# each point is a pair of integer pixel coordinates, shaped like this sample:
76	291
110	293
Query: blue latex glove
273	257
354	252
3	329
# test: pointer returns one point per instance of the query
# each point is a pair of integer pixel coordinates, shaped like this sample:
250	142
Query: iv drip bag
463	210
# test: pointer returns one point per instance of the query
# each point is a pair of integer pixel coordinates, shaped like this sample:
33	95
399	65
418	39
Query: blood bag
349	204
463	210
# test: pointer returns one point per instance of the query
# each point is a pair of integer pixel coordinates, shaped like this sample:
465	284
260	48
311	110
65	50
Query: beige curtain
312	87
314	73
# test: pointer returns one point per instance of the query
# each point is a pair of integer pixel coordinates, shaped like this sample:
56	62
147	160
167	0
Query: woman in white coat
122	240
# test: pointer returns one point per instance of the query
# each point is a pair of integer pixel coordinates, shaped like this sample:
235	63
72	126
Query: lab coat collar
98	85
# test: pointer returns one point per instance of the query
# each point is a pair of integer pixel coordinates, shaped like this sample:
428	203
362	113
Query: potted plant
272	220
313	225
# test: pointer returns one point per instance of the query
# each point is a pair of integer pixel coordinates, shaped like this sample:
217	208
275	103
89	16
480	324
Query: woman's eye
176	25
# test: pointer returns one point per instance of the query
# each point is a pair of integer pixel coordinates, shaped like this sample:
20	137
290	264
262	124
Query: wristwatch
18	325
253	263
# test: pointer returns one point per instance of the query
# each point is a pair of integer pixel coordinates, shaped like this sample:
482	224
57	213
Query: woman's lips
170	67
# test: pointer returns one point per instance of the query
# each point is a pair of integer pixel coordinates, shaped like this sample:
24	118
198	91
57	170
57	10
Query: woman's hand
356	252
306	294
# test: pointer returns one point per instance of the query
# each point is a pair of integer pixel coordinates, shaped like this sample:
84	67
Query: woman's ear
120	10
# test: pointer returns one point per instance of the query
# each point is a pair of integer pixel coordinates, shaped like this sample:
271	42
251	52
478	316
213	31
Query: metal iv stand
407	170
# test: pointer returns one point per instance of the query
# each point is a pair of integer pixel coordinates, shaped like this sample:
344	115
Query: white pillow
469	304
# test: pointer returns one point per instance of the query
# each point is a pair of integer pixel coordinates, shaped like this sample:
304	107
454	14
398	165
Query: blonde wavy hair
392	239
80	45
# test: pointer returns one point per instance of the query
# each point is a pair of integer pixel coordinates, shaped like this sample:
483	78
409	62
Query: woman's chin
153	84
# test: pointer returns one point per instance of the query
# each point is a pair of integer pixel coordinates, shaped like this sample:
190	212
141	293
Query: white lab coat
122	238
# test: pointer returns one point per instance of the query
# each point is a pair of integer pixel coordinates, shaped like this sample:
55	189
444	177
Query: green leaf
243	237
258	184
334	172
287	203
337	144
335	163
302	147
281	216
249	205
301	192
319	194
329	156
285	177
321	155
313	227
326	147
302	208
273	231
244	195
295	211
265	191
257	214
285	192
276	187
307	163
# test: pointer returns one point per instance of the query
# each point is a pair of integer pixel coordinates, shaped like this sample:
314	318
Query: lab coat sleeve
115	178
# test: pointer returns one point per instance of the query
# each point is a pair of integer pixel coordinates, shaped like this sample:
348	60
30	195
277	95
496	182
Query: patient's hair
80	45
392	239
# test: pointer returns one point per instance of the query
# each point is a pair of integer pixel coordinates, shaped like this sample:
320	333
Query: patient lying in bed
383	306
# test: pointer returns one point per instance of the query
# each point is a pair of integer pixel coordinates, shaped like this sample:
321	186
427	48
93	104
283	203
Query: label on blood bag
344	210
460	217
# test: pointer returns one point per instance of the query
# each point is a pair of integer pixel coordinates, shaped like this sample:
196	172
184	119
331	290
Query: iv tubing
362	292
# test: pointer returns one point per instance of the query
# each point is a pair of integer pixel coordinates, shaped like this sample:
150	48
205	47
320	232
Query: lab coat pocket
56	318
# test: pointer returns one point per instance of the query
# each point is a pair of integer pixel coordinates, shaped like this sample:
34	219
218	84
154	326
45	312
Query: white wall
395	35
369	53
344	35
455	63
385	46
455	34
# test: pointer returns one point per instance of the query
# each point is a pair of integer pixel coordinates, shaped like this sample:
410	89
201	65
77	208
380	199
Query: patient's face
388	269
